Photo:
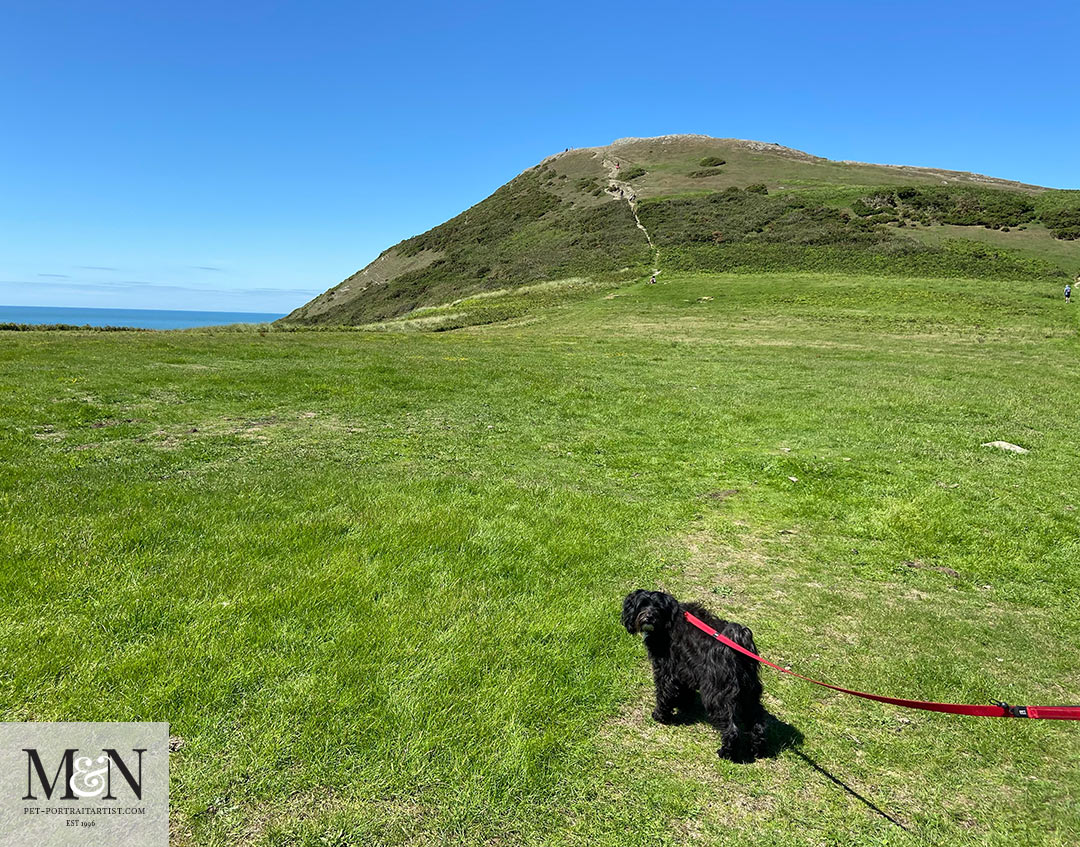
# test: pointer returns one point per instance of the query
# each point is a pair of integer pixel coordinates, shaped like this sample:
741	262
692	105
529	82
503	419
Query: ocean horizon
137	318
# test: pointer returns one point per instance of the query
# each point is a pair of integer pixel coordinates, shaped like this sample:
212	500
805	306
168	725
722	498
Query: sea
140	318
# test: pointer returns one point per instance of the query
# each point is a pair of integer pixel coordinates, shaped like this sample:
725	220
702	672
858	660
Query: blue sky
243	155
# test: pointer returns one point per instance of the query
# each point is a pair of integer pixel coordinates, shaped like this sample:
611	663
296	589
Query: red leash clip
1012	711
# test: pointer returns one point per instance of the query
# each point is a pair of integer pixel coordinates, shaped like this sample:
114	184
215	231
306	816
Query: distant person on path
653	280
1068	291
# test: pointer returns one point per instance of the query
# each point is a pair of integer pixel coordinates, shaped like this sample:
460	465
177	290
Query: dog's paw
730	754
662	717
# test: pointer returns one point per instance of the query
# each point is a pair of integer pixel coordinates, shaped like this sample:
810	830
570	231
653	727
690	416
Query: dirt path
627	193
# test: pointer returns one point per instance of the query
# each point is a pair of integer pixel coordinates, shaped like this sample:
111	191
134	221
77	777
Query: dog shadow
781	736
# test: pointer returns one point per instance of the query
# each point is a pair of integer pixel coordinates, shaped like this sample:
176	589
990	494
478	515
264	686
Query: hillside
695	203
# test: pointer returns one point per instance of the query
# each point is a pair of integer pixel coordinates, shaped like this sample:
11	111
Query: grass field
373	579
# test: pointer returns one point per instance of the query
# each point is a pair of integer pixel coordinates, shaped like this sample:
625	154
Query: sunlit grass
373	579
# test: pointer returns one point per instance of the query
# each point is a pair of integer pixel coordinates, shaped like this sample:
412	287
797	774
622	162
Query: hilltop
696	203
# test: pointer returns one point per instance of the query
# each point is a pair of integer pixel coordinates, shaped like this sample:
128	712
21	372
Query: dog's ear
630	608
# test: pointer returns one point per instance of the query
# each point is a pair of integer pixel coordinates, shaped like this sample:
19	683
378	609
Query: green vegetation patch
17	327
1063	223
741	230
735	215
948	205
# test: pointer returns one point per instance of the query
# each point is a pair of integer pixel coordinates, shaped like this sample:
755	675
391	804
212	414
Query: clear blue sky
248	155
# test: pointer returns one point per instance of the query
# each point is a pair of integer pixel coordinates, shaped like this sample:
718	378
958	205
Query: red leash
997	710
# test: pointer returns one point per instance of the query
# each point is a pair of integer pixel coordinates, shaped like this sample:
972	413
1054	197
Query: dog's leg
732	743
757	733
668	693
720	705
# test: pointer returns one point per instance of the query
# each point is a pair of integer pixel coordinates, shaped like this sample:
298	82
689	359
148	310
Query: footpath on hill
627	193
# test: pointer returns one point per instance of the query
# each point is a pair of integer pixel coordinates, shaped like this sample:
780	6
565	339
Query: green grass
1032	242
373	579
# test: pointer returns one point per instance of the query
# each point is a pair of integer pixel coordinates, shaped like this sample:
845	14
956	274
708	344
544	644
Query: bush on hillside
709	172
712	162
744	216
757	188
893	257
961	206
634	172
738	230
1063	223
17	327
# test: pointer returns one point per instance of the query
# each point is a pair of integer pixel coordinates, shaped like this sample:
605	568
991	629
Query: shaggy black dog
686	660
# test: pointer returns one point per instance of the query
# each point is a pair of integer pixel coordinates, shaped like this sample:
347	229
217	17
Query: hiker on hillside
1068	291
653	280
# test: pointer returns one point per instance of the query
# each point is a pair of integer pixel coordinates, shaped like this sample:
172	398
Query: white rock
1005	445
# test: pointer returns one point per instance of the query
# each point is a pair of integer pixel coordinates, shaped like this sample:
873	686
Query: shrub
747	216
1063	223
757	188
17	327
962	206
709	172
712	162
634	173
894	257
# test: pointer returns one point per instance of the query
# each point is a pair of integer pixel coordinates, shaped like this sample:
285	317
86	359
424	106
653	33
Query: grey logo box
77	784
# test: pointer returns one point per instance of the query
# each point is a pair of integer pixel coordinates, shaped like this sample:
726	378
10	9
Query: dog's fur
686	660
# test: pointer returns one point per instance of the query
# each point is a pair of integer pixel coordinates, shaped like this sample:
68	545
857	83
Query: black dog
686	660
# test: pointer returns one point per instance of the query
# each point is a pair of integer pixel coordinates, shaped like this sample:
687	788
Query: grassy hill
693	203
373	579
